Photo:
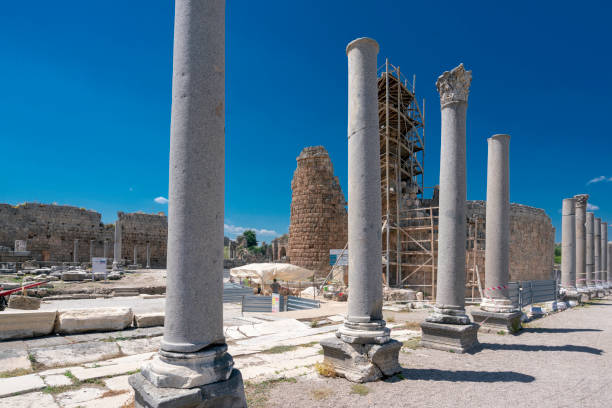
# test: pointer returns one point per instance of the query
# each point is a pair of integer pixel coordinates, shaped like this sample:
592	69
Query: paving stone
75	398
108	402
45	341
15	385
30	400
57	380
139	346
118	383
14	360
120	366
72	354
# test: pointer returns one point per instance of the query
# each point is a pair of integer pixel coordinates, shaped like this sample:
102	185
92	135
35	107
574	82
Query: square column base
227	394
493	322
458	338
362	362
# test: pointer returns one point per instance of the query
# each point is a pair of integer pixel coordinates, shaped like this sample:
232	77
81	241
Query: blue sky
85	97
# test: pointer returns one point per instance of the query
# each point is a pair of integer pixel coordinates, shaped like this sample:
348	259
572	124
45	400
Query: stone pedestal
363	350
449	327
193	368
458	338
362	362
494	322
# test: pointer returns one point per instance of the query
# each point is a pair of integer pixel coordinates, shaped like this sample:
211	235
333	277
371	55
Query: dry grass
112	393
257	394
16	373
325	369
279	349
359	389
321	394
412	325
412	343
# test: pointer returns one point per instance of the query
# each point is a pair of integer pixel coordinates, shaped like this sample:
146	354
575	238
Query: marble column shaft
75	251
364	200
568	245
117	244
590	255
610	263
497	249
453	87
581	275
91	249
135	254
105	253
597	252
148	255
604	253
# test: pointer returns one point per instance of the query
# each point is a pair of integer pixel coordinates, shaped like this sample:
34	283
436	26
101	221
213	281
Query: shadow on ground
462	375
555	330
537	347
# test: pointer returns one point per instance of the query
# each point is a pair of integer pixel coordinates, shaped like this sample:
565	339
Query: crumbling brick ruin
318	212
50	232
280	248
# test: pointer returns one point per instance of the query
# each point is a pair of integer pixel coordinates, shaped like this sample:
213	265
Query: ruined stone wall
50	231
139	228
532	241
318	211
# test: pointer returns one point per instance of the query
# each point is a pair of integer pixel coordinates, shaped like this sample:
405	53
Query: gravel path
559	361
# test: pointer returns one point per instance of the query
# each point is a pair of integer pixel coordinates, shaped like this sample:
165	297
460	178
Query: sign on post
20	245
275	302
98	265
338	257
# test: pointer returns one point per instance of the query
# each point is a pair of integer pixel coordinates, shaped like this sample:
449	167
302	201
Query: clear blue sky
85	97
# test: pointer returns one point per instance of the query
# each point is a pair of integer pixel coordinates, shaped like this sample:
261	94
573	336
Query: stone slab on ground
149	319
119	400
57	380
16	385
139	346
30	400
118	383
73	354
74	398
20	324
119	366
11	360
85	320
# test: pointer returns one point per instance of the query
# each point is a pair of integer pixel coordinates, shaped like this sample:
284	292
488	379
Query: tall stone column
597	256
193	367
449	327
75	251
148	255
91	249
590	252
135	254
363	350
581	204
610	264
568	251
105	253
497	312
604	255
117	244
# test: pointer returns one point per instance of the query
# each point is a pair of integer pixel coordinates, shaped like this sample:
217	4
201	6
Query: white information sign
98	265
338	257
20	245
275	302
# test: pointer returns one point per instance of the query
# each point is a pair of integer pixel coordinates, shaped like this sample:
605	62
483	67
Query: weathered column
597	256
135	254
610	264
449	327
105	253
117	244
193	361
581	204
148	255
568	252
363	350
590	252
604	255
497	312
75	251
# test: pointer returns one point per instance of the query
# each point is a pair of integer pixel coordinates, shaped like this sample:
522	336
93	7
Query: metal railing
299	303
525	293
263	304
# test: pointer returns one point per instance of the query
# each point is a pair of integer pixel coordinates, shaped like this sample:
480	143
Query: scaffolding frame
402	161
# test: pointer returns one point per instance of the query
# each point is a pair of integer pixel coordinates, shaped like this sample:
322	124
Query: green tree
251	238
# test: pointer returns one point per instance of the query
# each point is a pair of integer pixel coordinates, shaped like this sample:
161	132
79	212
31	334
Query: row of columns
585	251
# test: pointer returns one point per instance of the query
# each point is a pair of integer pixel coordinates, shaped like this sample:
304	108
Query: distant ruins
53	232
318	211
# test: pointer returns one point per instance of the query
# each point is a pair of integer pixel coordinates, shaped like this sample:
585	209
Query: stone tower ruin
318	211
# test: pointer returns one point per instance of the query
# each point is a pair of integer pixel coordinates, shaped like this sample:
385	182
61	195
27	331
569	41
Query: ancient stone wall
318	211
280	248
138	229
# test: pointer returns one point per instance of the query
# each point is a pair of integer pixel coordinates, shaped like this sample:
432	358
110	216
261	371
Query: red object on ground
10	291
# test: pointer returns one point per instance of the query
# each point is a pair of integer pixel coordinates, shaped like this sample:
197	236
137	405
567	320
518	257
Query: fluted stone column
193	359
75	251
581	275
449	327
590	252
604	255
148	255
597	256
497	312
117	244
363	338
568	251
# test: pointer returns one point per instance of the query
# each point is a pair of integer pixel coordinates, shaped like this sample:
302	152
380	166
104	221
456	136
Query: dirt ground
559	361
141	278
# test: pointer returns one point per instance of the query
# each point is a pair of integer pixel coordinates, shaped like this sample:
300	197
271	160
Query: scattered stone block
16	385
73	276
392	294
86	320
24	302
149	319
458	338
21	324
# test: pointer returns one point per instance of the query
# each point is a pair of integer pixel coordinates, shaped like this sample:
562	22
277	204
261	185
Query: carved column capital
454	85
581	200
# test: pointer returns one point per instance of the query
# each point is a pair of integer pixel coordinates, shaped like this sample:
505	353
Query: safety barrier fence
263	304
525	293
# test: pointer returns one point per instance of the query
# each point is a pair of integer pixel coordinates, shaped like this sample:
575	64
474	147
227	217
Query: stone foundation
494	322
362	362
457	338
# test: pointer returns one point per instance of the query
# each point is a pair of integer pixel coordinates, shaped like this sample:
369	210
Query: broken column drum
193	367
449	327
590	247
362	350
581	204
568	250
117	245
496	309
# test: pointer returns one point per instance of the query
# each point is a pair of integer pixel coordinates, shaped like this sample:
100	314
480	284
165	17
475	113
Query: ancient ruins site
474	278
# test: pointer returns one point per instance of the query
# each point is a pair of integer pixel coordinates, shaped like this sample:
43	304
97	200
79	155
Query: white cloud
161	200
236	230
592	207
598	179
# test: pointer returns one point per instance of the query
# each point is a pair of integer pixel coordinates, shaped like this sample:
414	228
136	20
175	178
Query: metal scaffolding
402	156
